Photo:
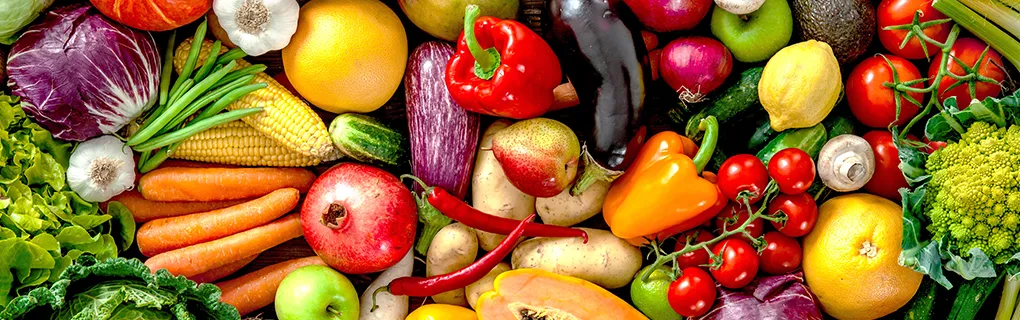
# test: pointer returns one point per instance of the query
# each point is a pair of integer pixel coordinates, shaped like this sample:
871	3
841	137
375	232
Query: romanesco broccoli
974	192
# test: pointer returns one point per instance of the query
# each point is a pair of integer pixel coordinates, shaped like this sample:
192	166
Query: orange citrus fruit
850	258
347	55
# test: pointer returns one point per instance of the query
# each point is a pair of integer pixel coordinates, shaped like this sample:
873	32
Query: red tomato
692	294
734	214
781	255
793	170
743	174
697	257
871	101
888	178
968	50
801	213
900	12
739	263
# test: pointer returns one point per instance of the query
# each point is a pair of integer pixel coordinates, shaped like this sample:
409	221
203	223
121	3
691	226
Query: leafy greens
120	288
44	226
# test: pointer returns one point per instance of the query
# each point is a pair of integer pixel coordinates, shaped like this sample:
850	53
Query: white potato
492	192
566	210
453	248
605	260
477	288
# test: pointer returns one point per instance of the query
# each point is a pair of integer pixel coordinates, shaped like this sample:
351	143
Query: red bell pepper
502	68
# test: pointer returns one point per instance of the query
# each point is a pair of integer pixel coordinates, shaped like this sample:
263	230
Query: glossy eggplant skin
601	52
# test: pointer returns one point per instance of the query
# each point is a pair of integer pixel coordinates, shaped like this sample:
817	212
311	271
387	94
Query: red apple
153	15
359	219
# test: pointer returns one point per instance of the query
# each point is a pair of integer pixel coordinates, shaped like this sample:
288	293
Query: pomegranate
359	219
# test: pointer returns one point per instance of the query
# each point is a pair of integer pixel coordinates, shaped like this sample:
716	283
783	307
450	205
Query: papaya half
541	295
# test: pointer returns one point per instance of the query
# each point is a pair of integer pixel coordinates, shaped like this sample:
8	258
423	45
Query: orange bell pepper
663	192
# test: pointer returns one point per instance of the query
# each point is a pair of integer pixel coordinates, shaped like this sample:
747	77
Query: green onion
1006	45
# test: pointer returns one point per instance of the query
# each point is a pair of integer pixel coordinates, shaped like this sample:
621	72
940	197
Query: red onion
670	15
694	66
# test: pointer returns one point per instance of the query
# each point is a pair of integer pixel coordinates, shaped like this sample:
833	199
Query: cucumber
367	140
972	296
810	139
735	100
839	125
762	135
920	307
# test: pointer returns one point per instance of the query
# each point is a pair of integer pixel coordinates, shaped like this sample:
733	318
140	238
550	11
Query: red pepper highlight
456	209
424	287
502	68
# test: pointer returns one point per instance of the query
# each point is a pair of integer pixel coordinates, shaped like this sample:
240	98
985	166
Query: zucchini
972	296
364	139
810	139
920	307
735	100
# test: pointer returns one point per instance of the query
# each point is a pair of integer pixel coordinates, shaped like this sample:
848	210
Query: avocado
848	26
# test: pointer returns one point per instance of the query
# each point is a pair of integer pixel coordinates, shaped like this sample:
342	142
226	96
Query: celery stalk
1006	45
1008	301
998	13
1015	4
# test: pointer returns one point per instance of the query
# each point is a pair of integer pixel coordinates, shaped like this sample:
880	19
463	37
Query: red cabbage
775	297
80	74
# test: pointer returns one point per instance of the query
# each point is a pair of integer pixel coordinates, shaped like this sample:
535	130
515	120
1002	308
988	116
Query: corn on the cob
237	143
286	118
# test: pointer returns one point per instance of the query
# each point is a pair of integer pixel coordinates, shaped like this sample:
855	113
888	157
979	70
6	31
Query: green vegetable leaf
937	129
123	224
917	253
118	288
978	266
912	159
1013	265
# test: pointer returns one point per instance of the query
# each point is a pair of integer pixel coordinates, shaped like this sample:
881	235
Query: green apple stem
593	171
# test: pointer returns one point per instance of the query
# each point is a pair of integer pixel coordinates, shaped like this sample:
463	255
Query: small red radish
359	218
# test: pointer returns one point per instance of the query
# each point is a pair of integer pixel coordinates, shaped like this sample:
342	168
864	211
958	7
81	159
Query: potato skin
566	210
483	285
492	192
454	247
605	260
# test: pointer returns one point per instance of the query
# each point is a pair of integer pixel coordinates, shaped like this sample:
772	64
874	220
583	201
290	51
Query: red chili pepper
502	68
456	209
424	287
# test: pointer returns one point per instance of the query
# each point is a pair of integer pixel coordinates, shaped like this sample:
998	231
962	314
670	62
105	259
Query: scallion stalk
984	29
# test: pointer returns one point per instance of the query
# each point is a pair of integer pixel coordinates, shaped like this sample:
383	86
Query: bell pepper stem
593	171
486	60
711	128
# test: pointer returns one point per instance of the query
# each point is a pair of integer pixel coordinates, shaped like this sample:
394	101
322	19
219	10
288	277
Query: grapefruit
347	55
850	258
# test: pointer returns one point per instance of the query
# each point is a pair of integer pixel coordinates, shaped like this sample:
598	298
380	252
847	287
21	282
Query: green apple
316	292
756	36
650	296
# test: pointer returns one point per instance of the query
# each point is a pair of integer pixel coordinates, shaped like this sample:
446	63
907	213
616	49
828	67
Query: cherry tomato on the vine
734	214
933	145
888	178
874	104
694	258
968	50
692	294
739	263
901	12
801	213
793	170
781	255
743	173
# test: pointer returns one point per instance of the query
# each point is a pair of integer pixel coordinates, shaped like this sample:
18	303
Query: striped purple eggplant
444	137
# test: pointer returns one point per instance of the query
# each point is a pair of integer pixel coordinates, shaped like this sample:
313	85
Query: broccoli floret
974	192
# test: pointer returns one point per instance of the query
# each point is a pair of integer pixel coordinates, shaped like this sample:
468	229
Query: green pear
444	19
539	156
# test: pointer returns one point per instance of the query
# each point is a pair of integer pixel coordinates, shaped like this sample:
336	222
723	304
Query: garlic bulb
101	168
258	26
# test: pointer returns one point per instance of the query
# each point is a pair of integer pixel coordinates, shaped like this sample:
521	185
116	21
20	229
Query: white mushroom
739	7
846	163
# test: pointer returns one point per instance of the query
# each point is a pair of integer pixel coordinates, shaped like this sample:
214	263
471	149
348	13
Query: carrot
145	210
202	257
162	235
215	184
222	272
256	290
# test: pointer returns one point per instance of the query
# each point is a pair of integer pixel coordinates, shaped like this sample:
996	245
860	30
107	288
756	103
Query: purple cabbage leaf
766	298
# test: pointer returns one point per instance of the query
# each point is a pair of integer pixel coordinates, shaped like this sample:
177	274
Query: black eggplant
601	51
